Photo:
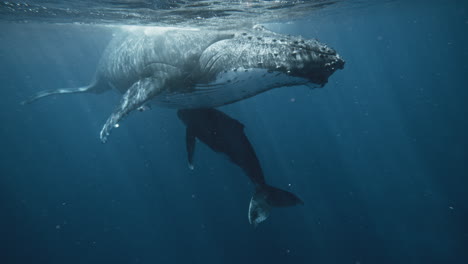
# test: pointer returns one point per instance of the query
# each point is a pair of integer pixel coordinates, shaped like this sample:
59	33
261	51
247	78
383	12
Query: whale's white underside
229	86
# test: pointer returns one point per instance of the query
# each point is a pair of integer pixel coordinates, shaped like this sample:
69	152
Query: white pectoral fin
94	87
136	96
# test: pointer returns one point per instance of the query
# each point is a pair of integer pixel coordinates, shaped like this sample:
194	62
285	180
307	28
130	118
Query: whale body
196	68
223	134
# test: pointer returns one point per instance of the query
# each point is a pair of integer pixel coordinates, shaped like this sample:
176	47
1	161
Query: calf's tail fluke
265	198
42	94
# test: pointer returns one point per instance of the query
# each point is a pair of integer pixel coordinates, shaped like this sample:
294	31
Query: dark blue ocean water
379	155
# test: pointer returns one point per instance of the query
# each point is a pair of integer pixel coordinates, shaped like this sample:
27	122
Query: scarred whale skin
194	68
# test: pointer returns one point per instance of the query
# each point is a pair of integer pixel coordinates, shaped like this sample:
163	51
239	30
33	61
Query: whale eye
259	38
296	42
274	40
249	38
244	34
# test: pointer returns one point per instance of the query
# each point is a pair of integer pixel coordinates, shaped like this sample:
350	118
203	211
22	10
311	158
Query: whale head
302	60
245	63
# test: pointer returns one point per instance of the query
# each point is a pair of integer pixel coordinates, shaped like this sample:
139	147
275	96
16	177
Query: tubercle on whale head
311	59
260	48
321	68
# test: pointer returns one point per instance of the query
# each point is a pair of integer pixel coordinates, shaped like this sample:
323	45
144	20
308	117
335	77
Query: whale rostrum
200	68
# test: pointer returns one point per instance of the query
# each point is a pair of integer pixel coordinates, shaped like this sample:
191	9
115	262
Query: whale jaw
229	87
263	49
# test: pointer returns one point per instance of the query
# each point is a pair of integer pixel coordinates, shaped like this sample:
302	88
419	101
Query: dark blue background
379	155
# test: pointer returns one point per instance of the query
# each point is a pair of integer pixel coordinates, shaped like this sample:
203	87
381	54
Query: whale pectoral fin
138	94
190	144
92	88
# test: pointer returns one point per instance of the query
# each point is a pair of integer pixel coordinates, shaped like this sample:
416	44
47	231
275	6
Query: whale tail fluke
265	198
92	88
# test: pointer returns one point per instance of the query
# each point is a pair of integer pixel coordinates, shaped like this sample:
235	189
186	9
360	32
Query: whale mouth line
336	64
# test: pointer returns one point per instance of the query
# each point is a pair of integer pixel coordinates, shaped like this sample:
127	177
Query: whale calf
224	134
200	68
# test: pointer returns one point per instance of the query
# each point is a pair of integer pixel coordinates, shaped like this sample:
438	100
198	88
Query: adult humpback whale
190	68
226	135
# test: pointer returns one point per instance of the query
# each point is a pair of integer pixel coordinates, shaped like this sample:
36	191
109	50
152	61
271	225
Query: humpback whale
201	68
224	134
